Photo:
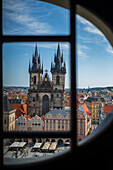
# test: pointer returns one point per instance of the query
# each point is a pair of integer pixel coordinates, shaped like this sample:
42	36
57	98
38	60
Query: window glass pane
34	17
23	150
94	83
30	70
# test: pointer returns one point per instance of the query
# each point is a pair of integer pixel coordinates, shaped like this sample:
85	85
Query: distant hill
97	88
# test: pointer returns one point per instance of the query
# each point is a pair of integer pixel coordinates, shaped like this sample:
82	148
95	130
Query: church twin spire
36	63
56	67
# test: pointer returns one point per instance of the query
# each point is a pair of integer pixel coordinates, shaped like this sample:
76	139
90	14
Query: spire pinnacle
36	51
29	66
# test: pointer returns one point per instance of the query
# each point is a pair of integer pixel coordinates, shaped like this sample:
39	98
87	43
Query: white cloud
20	13
109	49
82	51
88	26
93	30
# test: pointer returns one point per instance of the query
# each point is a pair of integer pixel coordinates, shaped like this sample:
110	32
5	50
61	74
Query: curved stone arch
67	140
53	140
60	141
47	140
47	94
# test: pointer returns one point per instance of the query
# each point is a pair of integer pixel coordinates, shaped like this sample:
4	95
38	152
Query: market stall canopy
37	146
18	145
53	146
46	146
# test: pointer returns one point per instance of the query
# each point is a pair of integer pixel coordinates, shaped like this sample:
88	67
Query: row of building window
35	124
59	126
59	121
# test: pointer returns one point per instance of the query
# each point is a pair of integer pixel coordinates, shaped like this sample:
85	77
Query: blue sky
94	53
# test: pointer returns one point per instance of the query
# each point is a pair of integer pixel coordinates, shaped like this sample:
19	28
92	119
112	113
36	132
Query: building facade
57	120
43	94
26	123
94	105
8	115
83	122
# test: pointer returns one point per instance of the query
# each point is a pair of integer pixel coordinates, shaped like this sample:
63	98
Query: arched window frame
57	80
71	39
34	80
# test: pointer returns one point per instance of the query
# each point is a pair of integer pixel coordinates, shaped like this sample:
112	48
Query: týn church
43	94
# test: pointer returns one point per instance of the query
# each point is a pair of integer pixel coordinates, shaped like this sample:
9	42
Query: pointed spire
58	51
51	66
29	67
42	67
36	57
36	51
39	59
62	57
32	58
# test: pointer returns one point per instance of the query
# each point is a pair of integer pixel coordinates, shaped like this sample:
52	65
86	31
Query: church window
37	96
34	79
57	95
57	80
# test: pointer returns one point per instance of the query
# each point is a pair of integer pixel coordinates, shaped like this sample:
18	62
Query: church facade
43	94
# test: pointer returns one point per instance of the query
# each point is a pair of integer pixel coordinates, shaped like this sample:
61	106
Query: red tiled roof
108	108
28	117
18	113
42	117
25	108
86	110
16	94
16	106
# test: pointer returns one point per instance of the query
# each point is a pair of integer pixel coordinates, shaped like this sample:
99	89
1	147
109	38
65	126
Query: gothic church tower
44	95
58	70
35	72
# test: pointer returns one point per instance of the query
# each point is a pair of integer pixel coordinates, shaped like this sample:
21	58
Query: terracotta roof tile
108	108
